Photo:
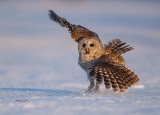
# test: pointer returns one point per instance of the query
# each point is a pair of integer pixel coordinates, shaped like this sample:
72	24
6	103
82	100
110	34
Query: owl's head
90	48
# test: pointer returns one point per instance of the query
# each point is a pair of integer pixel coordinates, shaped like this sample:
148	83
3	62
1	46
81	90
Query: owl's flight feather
77	32
56	18
114	49
117	77
117	46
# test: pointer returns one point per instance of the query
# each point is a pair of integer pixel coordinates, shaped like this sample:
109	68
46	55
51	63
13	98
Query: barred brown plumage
76	31
102	63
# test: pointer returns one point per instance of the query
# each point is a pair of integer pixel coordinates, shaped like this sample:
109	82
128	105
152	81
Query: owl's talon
88	91
96	91
90	88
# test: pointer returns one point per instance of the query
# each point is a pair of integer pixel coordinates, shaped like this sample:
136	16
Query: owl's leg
98	82
91	86
96	89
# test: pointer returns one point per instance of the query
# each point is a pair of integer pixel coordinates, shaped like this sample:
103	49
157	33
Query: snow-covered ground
39	72
59	102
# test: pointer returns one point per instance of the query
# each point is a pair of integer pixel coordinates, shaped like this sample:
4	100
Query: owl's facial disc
90	49
88	46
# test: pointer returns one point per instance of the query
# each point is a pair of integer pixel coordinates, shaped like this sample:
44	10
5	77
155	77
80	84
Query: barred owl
102	63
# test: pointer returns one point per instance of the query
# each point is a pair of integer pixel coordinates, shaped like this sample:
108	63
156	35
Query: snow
39	73
41	101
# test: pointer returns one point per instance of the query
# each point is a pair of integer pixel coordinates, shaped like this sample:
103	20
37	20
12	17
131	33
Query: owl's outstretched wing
116	46
118	77
114	49
77	32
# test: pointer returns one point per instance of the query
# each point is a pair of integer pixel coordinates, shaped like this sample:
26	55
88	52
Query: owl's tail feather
117	46
62	21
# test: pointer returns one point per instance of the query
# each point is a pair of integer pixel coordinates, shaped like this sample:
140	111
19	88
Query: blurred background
37	53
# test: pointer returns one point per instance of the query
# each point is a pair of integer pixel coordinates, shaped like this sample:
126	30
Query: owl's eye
91	45
84	45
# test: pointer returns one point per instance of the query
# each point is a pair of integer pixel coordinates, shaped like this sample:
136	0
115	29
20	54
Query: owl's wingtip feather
54	17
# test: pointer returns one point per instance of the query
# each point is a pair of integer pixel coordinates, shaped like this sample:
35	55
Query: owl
102	63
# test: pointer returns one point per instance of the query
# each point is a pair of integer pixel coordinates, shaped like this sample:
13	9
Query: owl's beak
87	50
